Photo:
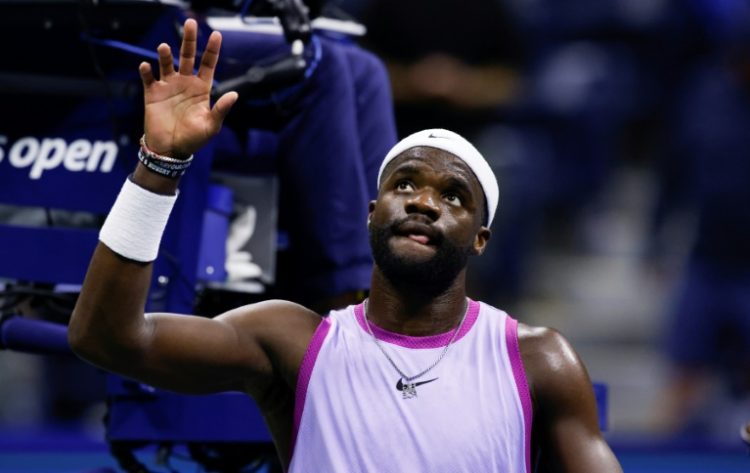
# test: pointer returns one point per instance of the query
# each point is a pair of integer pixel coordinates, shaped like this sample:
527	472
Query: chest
463	413
467	391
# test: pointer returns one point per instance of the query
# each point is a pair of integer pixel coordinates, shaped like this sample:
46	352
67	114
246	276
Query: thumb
222	107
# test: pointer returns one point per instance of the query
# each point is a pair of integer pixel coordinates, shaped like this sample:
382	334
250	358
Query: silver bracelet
160	157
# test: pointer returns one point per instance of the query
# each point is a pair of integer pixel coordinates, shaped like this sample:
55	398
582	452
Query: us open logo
44	154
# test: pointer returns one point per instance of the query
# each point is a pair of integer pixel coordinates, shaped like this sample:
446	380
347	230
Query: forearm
108	318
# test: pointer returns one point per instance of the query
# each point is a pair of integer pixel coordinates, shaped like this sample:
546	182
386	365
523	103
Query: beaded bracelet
160	164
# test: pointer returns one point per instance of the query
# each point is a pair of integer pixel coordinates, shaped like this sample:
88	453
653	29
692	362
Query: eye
404	186
453	199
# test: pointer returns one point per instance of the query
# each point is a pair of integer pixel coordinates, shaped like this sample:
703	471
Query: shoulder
554	370
273	316
544	345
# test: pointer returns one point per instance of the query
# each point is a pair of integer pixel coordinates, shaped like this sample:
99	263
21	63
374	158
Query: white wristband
135	224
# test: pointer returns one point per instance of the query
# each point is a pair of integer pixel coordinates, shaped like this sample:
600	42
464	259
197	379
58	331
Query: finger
166	63
187	50
210	57
147	75
222	108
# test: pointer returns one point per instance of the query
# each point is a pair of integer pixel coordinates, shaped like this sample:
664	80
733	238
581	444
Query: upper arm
244	349
565	427
250	345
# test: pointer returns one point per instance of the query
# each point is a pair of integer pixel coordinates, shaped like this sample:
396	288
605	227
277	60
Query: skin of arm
565	430
255	348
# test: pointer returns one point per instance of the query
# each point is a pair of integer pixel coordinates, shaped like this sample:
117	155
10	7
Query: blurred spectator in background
451	62
708	332
460	65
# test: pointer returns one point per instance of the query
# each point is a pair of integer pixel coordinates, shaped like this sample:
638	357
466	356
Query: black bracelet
170	169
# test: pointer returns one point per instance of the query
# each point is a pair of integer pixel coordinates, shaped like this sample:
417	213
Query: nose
424	202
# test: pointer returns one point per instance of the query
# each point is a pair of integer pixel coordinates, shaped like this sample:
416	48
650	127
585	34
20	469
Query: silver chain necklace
409	389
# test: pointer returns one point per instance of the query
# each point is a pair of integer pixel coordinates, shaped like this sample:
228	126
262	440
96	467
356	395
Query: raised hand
179	118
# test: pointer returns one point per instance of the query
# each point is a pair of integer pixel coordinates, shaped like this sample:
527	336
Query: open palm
178	117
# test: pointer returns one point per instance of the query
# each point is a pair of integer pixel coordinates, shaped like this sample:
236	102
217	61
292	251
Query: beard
434	275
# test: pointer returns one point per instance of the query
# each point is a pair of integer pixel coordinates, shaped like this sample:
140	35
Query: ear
370	210
481	239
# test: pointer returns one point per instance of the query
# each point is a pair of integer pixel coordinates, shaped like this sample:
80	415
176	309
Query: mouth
419	238
421	233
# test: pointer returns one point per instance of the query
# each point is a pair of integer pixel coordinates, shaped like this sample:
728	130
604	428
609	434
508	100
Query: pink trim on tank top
519	373
303	378
429	341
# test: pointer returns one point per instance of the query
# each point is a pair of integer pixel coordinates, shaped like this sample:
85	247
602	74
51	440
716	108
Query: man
418	378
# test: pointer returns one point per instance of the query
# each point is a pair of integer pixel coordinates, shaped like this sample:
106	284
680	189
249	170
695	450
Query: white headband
459	146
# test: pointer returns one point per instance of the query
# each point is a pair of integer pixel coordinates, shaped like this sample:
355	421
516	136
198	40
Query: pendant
409	390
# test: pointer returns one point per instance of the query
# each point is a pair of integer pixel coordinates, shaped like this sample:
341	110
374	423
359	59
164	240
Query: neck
412	310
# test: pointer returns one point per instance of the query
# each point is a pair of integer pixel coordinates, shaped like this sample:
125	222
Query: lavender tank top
472	412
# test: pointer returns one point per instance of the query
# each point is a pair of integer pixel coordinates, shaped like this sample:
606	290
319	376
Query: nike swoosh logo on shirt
400	384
